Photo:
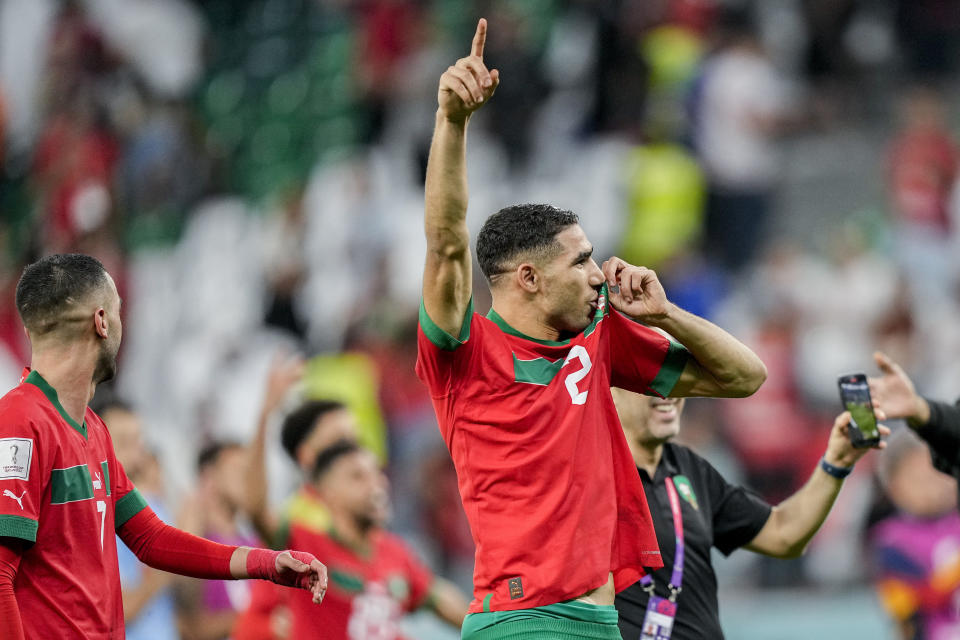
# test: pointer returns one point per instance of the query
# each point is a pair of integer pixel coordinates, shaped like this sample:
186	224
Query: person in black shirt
714	513
936	422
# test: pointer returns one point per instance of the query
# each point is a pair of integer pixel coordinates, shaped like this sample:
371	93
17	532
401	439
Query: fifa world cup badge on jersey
15	455
658	621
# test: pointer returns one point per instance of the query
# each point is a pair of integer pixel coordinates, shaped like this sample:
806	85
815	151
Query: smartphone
855	396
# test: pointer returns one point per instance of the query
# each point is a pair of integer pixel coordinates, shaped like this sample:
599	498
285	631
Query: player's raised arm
464	88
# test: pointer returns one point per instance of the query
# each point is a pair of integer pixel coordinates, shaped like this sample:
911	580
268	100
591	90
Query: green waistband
565	620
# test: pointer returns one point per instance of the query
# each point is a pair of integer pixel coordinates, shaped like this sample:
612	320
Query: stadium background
251	174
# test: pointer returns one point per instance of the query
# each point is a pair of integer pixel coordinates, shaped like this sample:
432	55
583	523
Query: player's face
571	282
356	484
106	367
331	427
646	419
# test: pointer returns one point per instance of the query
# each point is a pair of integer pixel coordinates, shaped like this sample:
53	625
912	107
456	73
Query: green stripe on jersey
18	527
70	485
670	370
440	338
127	507
346	581
537	371
106	475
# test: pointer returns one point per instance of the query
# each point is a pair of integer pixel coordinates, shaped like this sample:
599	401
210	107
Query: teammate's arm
794	521
10	551
720	366
446	601
282	377
167	548
464	88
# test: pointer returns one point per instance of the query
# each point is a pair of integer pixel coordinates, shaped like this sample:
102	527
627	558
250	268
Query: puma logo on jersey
97	484
10	494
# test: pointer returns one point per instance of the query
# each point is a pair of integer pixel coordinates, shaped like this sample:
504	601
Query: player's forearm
448	603
447	277
798	518
446	187
727	367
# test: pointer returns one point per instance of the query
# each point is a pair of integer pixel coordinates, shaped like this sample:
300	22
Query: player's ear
100	324
528	277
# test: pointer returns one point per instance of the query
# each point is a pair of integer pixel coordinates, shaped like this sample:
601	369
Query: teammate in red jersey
374	576
522	395
63	491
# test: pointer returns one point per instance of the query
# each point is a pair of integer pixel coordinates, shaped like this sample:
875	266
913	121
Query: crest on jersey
15	456
682	483
601	303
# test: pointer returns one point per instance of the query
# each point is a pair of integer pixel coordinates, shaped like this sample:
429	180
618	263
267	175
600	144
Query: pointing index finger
479	38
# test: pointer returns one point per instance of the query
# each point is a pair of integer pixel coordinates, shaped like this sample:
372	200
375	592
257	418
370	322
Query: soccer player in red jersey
522	395
63	491
374	576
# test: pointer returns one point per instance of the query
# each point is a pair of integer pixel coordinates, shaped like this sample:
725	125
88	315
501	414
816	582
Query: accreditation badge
658	621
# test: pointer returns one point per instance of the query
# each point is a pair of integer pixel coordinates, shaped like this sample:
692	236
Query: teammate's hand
285	372
288	568
301	569
635	291
468	84
840	451
893	392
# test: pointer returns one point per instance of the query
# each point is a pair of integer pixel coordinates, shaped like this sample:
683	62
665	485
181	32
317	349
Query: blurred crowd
251	171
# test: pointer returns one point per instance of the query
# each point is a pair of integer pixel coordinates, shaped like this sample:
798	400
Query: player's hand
893	392
301	569
285	372
288	568
468	84
635	291
840	451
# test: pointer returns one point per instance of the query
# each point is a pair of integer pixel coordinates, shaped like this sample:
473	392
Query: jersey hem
673	365
127	507
440	338
22	527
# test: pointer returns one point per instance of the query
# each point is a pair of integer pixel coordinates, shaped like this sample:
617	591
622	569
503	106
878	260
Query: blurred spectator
374	576
928	30
916	551
740	105
923	165
309	429
513	49
207	609
148	600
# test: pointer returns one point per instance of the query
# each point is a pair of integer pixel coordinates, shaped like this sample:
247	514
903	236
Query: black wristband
837	472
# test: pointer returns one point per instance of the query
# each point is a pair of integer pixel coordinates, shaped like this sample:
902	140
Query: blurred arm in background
284	374
936	422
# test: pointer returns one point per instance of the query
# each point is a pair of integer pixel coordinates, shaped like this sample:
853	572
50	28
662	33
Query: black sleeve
942	433
738	513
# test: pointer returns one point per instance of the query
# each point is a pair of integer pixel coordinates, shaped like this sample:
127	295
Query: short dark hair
298	425
517	230
52	284
210	453
331	454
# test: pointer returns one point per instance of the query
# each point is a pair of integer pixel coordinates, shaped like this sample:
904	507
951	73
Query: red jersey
367	595
62	489
548	483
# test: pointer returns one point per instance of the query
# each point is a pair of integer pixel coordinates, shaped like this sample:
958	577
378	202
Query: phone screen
855	395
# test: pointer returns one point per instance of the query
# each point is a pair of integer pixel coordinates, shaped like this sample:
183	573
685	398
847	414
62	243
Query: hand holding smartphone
855	396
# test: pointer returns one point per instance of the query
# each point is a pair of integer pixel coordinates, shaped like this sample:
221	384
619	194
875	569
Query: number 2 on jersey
579	353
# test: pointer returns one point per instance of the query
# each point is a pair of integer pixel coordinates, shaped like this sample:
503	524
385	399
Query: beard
106	367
